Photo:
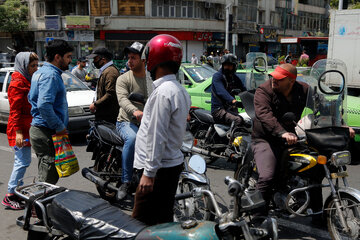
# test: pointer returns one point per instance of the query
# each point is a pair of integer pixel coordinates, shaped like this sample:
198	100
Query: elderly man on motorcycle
224	106
273	99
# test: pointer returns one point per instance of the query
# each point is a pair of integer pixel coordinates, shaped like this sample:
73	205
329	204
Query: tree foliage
353	4
13	16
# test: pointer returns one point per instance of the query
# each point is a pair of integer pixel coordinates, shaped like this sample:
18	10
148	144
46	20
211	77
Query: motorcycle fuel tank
180	231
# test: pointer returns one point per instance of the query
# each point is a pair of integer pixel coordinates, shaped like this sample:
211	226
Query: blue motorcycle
69	214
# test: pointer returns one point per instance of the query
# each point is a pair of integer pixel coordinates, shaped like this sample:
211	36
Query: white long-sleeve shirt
163	126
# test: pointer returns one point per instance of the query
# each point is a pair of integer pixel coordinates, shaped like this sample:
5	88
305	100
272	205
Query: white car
79	97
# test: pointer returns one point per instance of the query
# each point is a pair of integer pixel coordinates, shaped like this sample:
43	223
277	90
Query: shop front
117	40
269	43
81	40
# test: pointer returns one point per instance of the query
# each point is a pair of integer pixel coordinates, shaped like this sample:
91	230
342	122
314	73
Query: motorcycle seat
204	115
83	215
108	133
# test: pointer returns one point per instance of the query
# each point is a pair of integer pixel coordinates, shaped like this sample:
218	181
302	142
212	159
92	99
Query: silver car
79	97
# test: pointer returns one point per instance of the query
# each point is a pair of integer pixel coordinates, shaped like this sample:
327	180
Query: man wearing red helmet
158	159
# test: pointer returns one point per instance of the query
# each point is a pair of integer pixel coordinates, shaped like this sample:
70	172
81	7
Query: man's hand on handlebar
237	104
290	138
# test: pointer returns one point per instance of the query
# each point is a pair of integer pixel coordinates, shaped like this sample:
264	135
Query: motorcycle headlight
341	158
75	111
198	164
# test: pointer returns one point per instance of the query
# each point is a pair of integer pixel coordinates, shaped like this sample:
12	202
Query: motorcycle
71	214
106	173
222	141
322	150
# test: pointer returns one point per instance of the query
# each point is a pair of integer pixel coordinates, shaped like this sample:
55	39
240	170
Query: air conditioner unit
99	20
207	5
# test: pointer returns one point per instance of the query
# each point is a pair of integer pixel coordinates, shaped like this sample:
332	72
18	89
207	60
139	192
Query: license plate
339	175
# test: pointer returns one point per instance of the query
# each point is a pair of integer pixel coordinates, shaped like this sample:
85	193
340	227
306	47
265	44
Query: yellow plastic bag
66	162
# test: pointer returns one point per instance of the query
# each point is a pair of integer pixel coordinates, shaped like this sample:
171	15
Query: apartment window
172	11
40	9
131	7
247	11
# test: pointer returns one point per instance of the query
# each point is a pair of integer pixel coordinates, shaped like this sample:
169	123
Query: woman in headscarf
26	63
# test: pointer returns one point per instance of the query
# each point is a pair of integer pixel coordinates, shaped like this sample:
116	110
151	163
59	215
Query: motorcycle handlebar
182	196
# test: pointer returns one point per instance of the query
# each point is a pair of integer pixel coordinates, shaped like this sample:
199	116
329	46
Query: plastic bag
66	162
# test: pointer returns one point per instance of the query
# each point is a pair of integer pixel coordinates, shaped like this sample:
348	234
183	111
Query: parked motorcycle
71	214
321	151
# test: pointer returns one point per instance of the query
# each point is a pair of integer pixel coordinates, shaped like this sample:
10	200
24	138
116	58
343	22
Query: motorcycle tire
100	167
244	172
200	209
351	210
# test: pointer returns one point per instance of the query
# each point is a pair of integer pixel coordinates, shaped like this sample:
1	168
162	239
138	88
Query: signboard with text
77	36
77	21
52	22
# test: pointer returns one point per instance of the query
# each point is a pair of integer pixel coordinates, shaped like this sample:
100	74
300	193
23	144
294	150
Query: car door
5	78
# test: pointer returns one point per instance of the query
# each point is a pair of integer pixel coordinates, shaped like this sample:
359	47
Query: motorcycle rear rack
37	195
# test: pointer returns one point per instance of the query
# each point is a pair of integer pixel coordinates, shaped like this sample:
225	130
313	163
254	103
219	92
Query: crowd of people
152	133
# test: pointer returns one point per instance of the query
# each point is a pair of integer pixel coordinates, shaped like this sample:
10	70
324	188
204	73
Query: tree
13	16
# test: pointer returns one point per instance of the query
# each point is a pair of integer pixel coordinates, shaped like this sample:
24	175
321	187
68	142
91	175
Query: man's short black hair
57	46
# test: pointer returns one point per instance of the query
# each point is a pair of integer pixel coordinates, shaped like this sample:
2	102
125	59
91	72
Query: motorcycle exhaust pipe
93	177
205	152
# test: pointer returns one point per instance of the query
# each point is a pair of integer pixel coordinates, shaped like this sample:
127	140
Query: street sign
49	39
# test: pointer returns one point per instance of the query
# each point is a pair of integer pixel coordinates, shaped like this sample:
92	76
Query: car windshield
199	73
72	83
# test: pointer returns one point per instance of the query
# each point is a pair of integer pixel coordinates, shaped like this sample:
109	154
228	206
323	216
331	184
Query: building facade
200	25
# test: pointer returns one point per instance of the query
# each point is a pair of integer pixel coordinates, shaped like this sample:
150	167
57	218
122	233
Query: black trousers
158	206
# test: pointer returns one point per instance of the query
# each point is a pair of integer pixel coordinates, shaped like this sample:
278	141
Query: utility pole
227	11
285	15
341	4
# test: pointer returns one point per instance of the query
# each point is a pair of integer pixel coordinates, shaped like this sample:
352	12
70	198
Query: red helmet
161	49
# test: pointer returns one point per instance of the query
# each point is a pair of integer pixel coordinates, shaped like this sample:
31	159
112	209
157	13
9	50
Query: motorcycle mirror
326	90
136	97
198	164
257	62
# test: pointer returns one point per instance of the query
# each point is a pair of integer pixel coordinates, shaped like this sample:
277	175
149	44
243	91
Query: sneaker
123	190
11	202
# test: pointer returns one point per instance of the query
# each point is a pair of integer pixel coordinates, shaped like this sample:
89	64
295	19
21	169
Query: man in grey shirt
79	70
158	159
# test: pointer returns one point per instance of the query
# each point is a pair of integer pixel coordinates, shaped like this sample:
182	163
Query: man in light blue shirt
158	159
49	107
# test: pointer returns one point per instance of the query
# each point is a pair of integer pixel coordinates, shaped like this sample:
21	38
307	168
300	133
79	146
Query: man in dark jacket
277	96
223	103
105	105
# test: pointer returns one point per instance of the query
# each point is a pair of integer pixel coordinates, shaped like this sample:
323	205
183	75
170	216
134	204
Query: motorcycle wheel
244	173
191	208
350	207
100	167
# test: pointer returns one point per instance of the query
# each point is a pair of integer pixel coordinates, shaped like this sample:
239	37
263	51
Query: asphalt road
294	229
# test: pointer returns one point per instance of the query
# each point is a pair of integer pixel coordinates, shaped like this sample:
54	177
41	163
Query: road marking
8	149
304	228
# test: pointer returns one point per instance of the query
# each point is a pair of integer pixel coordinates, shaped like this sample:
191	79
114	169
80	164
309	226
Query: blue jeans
22	161
127	132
